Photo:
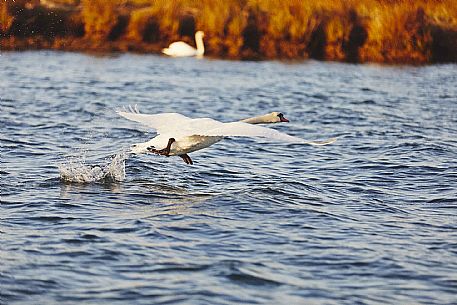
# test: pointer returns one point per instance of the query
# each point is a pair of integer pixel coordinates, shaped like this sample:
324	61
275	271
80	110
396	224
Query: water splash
76	170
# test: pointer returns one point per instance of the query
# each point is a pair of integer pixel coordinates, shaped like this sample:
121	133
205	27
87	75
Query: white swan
180	135
182	49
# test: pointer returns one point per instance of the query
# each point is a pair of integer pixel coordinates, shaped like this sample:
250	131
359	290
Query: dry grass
99	18
406	31
6	20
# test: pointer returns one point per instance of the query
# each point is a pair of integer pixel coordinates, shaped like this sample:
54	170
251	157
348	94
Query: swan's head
200	34
276	117
273	117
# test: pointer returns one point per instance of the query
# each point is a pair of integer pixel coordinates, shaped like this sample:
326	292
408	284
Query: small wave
77	171
248	279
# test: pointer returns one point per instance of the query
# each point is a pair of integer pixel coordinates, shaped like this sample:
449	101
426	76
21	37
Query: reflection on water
369	219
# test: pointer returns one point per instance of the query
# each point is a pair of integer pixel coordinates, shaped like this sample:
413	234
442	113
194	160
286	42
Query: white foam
78	171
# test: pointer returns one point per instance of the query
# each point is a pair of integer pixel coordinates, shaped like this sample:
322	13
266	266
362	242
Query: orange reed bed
387	31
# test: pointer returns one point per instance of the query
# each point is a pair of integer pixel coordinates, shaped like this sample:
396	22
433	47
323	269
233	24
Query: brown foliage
99	18
404	31
6	20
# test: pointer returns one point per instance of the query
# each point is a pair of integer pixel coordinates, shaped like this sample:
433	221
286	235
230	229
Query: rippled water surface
370	219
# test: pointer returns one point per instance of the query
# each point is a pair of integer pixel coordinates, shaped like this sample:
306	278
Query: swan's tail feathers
166	51
322	143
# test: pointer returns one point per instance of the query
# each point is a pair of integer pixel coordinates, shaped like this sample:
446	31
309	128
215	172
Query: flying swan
182	49
178	135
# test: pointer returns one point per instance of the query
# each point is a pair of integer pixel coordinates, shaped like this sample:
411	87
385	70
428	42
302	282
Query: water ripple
369	219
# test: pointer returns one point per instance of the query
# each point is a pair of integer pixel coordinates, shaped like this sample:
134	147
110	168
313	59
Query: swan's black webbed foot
187	159
163	152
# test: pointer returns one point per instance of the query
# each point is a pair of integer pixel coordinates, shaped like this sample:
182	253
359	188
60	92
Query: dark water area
369	219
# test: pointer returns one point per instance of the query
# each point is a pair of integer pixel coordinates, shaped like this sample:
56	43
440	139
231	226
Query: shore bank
384	31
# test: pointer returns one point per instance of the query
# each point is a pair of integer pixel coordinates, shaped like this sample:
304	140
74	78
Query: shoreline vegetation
382	31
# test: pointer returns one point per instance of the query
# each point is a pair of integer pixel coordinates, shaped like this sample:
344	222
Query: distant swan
182	49
178	135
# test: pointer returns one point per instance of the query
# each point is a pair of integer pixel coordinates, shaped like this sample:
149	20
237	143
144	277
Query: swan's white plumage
182	49
180	125
162	122
240	129
195	134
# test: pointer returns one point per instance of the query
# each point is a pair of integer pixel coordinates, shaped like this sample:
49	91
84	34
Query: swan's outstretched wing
178	125
240	129
162	122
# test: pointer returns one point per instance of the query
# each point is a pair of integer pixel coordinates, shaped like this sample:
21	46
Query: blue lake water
369	219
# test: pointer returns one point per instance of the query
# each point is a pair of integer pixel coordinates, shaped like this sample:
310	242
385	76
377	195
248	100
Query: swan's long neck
200	46
261	119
